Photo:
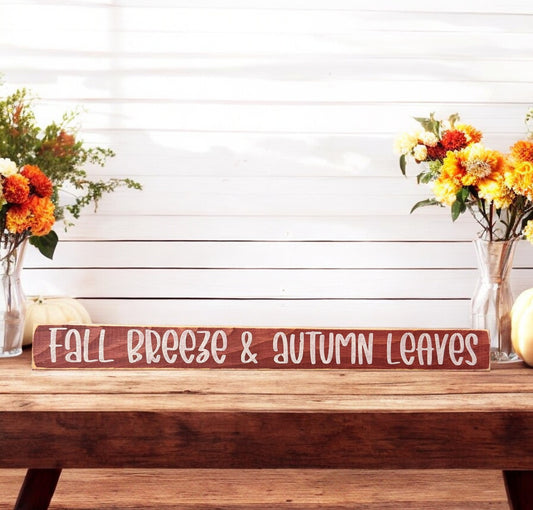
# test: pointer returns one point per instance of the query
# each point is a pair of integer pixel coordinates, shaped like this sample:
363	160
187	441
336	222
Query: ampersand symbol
246	355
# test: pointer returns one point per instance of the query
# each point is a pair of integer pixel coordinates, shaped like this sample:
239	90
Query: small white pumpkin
53	310
522	326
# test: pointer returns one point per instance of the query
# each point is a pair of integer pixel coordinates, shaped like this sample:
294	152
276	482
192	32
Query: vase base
503	357
12	353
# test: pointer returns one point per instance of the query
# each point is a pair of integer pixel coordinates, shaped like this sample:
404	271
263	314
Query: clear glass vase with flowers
497	189
35	165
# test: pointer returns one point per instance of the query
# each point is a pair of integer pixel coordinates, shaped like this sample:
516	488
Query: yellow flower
496	191
445	189
452	166
520	179
480	163
448	183
528	231
472	134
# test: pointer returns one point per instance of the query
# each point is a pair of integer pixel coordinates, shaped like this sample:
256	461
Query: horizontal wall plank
496	6
261	283
256	154
66	77
433	224
400	43
196	86
247	196
290	118
267	255
234	19
275	313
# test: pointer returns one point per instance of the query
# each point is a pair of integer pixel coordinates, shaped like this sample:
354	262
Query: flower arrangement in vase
496	188
36	164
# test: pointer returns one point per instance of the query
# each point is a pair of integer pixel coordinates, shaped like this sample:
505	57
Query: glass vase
492	299
12	299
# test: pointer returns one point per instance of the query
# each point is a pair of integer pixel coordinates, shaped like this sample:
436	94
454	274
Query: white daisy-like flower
420	152
405	143
7	167
428	139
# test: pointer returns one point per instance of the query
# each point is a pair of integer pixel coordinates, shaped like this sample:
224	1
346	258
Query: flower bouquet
37	165
496	188
465	175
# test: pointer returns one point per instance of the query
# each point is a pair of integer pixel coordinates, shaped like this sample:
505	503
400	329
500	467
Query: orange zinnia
16	189
454	140
522	151
40	184
43	219
18	218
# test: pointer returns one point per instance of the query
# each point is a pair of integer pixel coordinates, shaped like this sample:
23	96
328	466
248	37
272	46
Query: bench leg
37	489
519	486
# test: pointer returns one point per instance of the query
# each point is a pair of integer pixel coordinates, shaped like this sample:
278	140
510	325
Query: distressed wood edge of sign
243	346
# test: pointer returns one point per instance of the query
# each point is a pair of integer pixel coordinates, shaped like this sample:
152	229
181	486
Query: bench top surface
265	419
504	388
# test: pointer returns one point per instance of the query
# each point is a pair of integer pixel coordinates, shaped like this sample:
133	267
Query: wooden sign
134	347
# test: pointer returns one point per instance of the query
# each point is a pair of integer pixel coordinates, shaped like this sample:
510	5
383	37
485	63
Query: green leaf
425	203
459	206
425	177
402	163
463	194
456	209
429	124
45	244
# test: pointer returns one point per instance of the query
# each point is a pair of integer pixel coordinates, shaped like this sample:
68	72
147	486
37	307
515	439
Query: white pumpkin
57	310
522	326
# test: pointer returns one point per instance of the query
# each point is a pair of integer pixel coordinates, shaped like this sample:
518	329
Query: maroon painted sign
135	347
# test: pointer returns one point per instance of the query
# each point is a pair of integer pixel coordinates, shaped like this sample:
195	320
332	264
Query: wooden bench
268	489
294	419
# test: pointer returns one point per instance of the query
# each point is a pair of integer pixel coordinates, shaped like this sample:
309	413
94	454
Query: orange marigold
454	140
16	189
42	220
18	218
40	184
522	151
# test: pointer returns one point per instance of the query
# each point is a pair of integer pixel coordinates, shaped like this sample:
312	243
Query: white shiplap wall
262	132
